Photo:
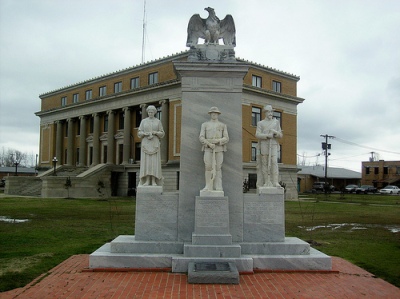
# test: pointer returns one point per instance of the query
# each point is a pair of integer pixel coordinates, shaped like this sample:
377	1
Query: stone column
110	137
96	139
59	142
144	112
164	122
70	142
82	141
127	136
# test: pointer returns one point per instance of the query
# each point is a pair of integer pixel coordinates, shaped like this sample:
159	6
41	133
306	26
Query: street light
54	164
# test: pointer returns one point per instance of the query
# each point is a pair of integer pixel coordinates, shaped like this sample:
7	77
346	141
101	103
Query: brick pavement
71	279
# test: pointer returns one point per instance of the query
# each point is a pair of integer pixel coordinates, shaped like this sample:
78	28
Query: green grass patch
59	228
366	235
55	229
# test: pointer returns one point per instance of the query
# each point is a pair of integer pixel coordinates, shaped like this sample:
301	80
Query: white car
390	190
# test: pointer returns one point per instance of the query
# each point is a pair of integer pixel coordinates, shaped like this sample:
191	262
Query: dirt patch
18	265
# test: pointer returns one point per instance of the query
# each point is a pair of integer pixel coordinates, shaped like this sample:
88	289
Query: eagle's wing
228	31
196	28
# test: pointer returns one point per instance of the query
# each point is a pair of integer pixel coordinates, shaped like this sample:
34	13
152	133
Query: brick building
381	173
91	126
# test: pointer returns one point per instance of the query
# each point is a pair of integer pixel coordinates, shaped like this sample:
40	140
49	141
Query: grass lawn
58	228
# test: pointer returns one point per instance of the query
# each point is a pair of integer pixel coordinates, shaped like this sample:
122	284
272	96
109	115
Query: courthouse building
91	127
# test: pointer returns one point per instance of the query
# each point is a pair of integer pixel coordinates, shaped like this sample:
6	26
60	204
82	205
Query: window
75	97
367	170
254	151
397	169
280	153
121	120
138	117
63	101
255	115
117	87
137	151
257	81
278	116
88	94
91	125
276	86
105	127
105	154
376	170
77	156
385	170
102	91
153	78
78	129
158	113
135	83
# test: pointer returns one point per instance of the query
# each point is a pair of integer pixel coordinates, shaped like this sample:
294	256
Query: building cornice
279	95
138	67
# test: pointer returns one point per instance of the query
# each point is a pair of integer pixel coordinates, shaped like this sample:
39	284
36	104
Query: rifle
214	169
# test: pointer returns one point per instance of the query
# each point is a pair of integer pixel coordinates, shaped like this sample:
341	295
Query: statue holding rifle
267	133
213	137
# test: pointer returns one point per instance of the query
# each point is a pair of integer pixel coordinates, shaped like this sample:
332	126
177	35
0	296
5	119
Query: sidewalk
72	279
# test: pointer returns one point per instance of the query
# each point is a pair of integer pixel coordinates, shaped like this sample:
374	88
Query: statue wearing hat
267	133
213	137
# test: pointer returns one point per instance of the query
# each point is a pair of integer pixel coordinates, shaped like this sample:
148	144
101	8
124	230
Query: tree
8	158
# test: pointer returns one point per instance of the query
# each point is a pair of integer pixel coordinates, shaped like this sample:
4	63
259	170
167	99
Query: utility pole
326	146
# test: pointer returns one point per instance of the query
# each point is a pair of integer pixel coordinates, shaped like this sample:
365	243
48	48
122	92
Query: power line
364	146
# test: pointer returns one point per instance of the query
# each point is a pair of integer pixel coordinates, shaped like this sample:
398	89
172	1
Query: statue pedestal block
156	215
264	219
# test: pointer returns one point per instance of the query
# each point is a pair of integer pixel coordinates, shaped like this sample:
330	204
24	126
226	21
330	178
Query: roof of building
158	61
334	173
19	170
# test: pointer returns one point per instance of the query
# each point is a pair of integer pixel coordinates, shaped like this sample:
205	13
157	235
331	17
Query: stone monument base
156	245
292	254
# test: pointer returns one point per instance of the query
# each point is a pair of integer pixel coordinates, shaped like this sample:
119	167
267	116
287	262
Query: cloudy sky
346	52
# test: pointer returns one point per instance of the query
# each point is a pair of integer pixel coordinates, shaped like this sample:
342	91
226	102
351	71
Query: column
70	142
127	136
144	112
110	137
164	122
59	143
96	140
82	142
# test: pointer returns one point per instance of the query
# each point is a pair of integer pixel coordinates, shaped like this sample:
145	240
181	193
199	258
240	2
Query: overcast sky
346	52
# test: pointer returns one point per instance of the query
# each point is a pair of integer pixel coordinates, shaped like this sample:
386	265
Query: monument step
217	239
291	246
219	251
316	260
128	244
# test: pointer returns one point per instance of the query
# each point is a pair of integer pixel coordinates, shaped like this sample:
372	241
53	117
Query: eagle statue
211	29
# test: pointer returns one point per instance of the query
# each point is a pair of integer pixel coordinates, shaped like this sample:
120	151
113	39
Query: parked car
366	188
320	186
390	190
350	188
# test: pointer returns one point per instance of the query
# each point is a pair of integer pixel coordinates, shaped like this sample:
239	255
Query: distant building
93	124
381	173
21	171
338	177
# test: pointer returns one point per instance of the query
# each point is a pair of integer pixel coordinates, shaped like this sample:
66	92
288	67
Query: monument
210	223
